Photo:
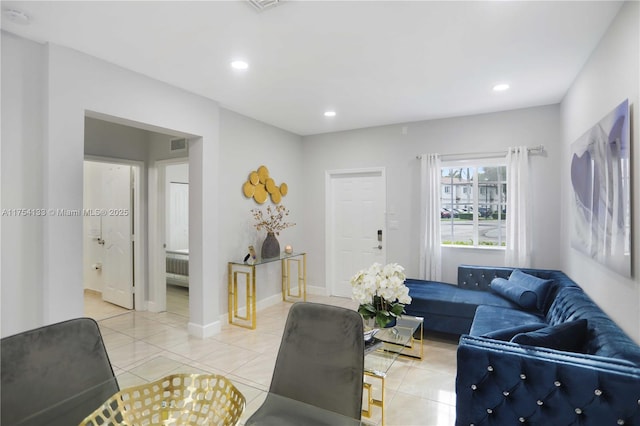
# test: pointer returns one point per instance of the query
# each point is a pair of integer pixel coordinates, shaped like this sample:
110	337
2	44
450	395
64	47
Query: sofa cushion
492	318
448	299
518	294
539	286
506	334
568	336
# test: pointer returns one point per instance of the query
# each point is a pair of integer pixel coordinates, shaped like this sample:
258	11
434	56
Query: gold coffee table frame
405	340
248	271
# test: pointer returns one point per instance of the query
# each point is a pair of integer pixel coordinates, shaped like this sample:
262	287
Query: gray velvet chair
320	362
54	375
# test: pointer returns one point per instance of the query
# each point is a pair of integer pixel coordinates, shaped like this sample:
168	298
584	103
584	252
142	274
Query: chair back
321	358
54	375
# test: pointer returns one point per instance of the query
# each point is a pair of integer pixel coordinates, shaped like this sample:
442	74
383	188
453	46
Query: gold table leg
301	294
249	319
370	400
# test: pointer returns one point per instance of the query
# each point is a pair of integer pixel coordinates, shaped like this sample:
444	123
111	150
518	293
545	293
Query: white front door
356	231
117	235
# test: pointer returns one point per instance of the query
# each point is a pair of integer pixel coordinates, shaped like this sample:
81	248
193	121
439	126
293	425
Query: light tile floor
145	346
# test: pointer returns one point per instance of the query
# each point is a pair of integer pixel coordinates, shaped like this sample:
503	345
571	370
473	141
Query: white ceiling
373	62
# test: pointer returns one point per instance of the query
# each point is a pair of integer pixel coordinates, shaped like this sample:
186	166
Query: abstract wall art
601	179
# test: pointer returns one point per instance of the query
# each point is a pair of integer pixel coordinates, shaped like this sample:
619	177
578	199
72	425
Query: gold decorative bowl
179	399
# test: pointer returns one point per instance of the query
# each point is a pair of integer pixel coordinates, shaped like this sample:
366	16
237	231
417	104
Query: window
447	189
476	205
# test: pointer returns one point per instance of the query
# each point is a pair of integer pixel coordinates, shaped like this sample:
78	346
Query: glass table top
260	261
389	343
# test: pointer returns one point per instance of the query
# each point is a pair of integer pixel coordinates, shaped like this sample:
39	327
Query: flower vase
371	323
391	323
270	246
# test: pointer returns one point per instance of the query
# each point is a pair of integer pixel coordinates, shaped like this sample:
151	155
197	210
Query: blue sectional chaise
511	370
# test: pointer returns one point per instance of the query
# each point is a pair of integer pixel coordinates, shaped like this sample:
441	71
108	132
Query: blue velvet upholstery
502	383
606	339
539	286
567	336
508	333
522	296
505	383
446	307
491	318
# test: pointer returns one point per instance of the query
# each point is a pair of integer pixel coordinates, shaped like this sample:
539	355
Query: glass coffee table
404	339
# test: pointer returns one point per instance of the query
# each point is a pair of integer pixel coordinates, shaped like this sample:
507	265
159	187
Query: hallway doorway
111	219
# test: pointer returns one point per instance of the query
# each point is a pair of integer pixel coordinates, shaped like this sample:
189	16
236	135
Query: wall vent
263	4
178	145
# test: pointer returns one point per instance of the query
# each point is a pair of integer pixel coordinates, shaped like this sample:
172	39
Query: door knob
379	247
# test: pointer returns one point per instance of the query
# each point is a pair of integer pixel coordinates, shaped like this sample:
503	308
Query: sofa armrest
500	383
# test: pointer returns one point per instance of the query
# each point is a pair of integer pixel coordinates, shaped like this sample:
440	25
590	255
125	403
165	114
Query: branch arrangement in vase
272	219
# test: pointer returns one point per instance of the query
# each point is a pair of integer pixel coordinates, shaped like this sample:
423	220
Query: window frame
501	182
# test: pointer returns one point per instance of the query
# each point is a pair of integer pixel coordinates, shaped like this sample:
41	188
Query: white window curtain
518	251
430	250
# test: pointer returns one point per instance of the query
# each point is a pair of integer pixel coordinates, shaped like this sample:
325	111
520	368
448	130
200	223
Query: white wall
611	75
22	184
246	144
73	84
390	147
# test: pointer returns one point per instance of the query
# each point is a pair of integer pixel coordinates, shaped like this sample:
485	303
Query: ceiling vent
178	145
264	4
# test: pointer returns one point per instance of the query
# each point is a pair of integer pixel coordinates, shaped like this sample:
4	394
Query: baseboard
318	291
153	307
204	331
274	300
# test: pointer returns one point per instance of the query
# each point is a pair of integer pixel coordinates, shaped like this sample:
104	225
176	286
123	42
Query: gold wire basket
176	400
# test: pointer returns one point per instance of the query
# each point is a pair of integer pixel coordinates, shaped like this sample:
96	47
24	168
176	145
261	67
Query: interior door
357	234
117	234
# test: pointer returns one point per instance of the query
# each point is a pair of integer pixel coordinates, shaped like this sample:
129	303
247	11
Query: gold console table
248	271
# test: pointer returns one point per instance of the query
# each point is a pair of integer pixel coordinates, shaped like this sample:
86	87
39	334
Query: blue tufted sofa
504	383
450	308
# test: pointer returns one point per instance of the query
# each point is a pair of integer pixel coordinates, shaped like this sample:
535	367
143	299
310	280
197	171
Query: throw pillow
537	285
567	336
516	293
507	334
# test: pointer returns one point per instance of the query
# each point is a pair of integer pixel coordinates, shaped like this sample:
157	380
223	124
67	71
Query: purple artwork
600	177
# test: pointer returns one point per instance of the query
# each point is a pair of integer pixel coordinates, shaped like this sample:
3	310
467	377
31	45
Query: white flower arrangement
381	292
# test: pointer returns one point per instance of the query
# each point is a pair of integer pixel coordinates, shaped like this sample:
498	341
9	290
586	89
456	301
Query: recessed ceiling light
329	113
239	65
500	87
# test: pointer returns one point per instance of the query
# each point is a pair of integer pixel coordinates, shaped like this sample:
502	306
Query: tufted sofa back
479	278
605	337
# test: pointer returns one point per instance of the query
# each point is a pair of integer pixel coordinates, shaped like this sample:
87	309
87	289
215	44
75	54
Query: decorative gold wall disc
261	194
260	186
263	174
248	189
254	178
270	185
275	196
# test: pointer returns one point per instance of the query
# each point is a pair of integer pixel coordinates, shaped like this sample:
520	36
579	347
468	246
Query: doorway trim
139	236
330	175
157	233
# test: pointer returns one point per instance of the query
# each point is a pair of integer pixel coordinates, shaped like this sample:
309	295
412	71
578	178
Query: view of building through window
473	200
